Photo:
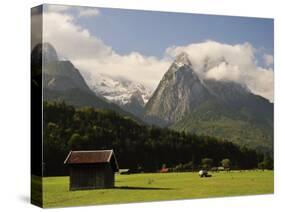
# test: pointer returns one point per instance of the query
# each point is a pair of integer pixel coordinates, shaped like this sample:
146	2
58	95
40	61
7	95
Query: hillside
136	146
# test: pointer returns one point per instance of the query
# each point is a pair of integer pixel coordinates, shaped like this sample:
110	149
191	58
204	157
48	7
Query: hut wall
92	176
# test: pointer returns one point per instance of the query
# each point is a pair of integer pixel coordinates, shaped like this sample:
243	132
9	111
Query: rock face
178	93
62	75
185	101
57	75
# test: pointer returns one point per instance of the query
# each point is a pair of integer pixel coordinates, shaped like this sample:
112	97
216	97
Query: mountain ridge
62	81
185	101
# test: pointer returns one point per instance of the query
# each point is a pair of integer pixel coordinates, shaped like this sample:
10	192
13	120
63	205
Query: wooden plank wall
91	176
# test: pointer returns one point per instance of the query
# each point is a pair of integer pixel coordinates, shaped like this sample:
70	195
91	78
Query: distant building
164	170
91	169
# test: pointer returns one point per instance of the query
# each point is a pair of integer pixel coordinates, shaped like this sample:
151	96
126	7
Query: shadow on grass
140	188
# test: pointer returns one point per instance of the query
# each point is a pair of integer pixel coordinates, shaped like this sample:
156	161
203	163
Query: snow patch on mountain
120	91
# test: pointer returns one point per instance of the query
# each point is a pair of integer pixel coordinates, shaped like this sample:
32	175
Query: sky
141	45
151	32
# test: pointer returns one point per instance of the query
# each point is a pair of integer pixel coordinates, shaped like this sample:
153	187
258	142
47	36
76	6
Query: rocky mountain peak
183	59
58	75
186	101
137	96
179	91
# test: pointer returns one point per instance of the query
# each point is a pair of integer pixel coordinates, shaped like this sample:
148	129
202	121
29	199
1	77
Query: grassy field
155	187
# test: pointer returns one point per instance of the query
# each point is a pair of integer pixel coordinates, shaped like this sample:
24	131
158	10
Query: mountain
57	75
62	81
185	101
178	93
130	96
62	75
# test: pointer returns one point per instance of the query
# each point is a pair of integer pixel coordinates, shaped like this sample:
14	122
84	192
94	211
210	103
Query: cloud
223	71
57	8
268	59
210	59
71	40
89	12
92	56
134	66
219	61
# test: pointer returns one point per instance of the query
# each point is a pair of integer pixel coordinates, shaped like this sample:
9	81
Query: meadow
159	187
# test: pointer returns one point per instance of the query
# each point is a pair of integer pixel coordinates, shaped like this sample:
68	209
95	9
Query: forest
137	147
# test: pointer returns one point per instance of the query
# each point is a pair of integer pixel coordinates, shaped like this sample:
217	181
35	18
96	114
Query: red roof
91	157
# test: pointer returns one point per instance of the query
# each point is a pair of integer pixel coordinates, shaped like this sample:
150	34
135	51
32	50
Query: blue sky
150	33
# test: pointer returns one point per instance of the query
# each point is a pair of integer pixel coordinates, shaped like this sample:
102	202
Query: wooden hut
91	169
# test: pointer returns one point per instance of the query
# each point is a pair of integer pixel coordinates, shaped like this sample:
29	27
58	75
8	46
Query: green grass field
156	187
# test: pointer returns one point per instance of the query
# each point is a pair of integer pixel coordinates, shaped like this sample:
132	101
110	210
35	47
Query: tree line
136	146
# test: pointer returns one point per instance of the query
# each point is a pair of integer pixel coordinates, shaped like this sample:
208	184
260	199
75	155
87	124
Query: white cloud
92	56
71	40
229	62
134	66
57	8
268	59
223	72
89	12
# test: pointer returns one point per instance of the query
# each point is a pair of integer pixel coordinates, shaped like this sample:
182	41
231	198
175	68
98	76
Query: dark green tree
207	163
226	163
67	128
